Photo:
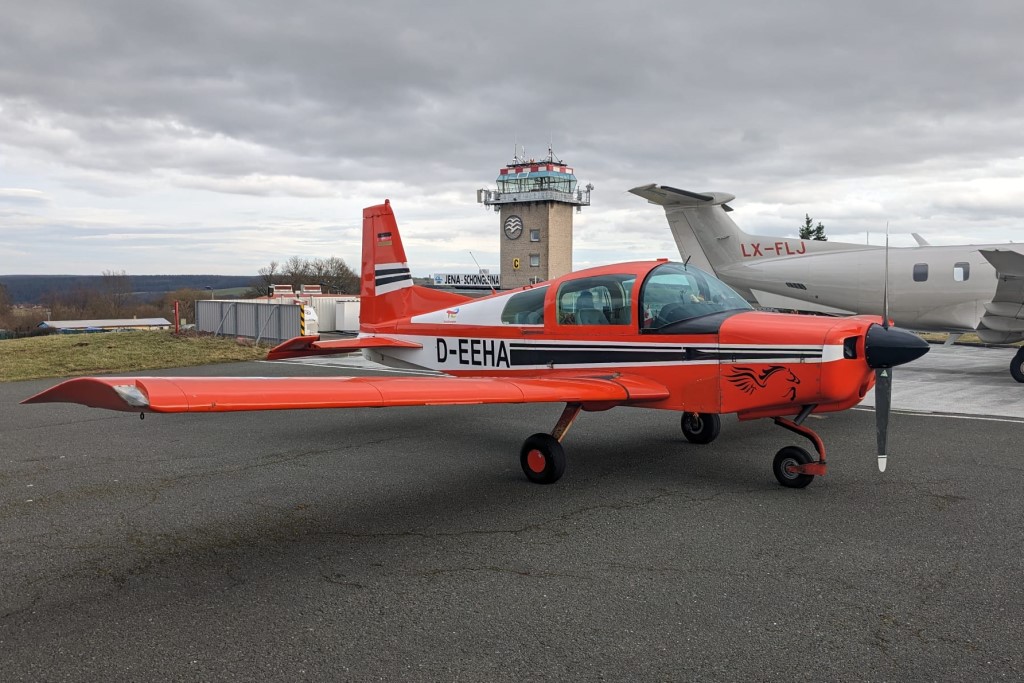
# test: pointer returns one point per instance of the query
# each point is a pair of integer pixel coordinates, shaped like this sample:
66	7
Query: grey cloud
745	97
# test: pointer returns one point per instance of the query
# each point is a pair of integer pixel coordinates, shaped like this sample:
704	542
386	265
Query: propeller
883	376
886	347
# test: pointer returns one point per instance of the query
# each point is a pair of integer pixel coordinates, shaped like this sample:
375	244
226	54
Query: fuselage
677	325
941	288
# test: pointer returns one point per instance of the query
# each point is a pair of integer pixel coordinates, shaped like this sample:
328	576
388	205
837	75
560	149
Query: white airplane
955	289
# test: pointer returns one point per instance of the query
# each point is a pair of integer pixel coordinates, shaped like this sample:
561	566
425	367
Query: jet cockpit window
674	292
596	300
525	308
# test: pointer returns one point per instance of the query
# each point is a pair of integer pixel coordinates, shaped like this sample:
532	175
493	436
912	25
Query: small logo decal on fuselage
750	380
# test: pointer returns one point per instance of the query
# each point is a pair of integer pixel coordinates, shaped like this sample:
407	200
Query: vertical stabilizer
703	231
387	292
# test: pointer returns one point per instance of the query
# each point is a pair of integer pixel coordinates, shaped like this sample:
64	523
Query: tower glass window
535	260
535	235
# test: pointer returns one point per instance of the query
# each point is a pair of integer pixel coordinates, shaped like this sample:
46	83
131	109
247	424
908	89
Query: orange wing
221	394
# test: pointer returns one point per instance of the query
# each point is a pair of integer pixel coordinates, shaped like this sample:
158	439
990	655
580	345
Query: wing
1005	313
312	346
222	394
1007	263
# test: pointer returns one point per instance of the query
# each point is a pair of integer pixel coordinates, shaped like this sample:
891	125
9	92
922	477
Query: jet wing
223	394
313	346
1006	262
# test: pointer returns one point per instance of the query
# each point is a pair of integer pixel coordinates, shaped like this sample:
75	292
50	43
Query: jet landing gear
794	467
1017	365
542	456
701	427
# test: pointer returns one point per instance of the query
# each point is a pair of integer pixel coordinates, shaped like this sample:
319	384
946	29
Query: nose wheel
788	467
794	467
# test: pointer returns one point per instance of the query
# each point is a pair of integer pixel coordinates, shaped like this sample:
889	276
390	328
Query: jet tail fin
702	230
387	291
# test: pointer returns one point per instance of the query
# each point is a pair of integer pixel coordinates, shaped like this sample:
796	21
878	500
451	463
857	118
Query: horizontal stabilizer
1006	262
225	394
313	346
671	196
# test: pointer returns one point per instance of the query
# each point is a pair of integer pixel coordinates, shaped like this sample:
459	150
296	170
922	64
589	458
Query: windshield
674	292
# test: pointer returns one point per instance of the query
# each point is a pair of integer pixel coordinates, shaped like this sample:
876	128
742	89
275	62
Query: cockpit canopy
674	293
671	294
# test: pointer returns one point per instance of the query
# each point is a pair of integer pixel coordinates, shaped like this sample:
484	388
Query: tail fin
703	230
387	292
699	224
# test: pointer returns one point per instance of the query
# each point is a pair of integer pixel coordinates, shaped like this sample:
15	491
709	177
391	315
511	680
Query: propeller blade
883	401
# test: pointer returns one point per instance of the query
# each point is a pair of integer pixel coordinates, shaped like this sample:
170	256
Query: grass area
67	355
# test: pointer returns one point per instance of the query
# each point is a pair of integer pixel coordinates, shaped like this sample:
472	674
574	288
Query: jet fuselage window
961	271
920	272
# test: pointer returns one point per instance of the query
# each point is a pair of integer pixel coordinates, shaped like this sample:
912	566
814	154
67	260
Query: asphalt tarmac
405	544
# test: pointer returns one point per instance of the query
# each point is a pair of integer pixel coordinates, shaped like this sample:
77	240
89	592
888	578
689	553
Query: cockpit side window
525	308
674	293
596	300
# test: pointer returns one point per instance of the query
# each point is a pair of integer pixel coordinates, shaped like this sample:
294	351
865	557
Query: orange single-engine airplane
651	334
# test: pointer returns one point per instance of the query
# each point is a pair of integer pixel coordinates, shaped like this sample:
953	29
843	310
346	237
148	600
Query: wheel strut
817	468
569	415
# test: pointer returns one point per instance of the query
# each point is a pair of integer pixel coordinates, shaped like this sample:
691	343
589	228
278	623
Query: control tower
535	199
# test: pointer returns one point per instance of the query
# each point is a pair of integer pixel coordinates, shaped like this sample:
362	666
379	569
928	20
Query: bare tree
331	273
267	278
114	295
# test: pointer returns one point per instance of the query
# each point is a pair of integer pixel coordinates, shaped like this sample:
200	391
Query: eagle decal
750	380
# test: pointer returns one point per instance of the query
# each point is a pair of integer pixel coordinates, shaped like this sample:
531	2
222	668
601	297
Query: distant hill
30	289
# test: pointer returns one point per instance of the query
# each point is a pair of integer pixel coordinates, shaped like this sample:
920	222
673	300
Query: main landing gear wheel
701	427
788	457
1017	366
542	458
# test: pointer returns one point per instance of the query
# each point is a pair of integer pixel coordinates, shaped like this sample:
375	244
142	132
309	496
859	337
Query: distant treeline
35	289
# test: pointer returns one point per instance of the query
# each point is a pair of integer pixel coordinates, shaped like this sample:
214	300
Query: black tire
792	455
700	427
1017	366
542	459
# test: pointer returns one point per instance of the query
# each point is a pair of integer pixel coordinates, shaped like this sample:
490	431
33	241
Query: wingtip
882	462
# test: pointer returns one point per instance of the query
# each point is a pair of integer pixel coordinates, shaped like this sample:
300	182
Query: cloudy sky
189	136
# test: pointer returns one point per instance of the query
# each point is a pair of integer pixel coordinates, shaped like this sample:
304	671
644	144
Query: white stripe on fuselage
446	354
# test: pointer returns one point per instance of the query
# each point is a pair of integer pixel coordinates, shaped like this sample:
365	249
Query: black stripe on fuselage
595	354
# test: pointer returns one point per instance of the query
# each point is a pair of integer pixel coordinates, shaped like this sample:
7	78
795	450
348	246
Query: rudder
387	292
